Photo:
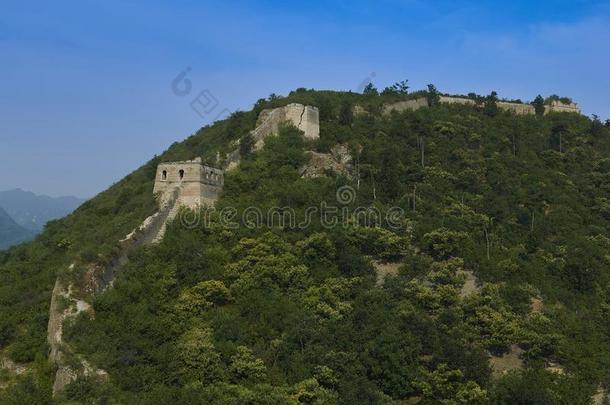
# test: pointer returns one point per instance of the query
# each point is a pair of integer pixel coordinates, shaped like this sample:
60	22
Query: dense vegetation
218	314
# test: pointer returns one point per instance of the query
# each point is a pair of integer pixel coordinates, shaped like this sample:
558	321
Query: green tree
246	145
446	386
557	137
245	367
401	87
346	114
198	356
490	107
370	90
433	96
538	104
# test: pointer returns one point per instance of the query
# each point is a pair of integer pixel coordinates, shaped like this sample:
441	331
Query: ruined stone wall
305	118
558	106
516	108
407	105
310	123
457	100
519	109
338	161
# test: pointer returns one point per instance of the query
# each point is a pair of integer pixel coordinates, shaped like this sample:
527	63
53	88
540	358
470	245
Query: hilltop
490	282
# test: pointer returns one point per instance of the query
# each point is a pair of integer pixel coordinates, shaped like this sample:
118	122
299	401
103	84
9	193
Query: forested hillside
499	290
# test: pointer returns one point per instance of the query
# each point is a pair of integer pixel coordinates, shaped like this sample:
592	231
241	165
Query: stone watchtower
198	185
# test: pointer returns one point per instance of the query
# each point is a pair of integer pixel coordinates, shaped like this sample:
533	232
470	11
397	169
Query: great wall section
189	184
192	184
553	106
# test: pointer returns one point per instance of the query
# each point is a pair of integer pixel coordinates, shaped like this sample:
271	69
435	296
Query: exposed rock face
385	270
342	155
537	305
8	368
320	164
508	362
358	110
600	396
471	283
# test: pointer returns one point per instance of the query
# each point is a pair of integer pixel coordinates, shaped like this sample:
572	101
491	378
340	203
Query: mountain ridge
32	211
11	233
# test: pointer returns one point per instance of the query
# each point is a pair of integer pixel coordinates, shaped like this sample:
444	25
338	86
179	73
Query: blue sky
86	86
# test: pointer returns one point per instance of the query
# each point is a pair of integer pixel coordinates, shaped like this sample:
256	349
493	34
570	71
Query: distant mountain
11	233
33	211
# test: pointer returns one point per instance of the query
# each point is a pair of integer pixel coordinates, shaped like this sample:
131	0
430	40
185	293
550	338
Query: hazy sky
86	86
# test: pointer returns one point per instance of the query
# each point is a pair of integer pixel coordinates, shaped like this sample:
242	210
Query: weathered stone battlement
304	117
517	108
200	185
558	106
457	100
407	105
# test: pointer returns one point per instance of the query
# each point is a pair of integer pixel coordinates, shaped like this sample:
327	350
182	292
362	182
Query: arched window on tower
164	175
181	173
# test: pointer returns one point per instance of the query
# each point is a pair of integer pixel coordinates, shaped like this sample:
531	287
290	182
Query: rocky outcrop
9	369
601	396
321	164
504	364
471	283
384	270
358	110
